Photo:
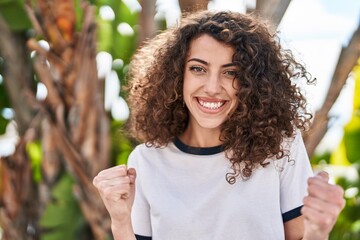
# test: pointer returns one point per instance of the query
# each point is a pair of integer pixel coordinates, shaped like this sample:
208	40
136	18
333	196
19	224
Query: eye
197	69
231	73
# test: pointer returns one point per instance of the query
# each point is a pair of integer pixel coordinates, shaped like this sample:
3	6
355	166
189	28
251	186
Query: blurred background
62	107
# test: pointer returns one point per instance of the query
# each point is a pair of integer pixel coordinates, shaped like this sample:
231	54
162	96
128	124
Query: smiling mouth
211	105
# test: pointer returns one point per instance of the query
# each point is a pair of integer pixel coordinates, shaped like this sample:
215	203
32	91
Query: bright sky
316	30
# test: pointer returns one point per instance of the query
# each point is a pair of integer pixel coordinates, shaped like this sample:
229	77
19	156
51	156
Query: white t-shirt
182	194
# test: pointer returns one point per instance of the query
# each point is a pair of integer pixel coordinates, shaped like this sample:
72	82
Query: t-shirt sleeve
140	213
294	173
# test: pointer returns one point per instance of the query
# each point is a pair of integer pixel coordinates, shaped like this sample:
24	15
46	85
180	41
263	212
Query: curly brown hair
271	106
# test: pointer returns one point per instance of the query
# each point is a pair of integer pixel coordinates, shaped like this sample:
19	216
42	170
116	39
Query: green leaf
15	15
123	47
121	145
352	143
62	218
79	14
124	14
4	103
357	87
35	153
105	32
3	124
339	155
321	158
352	129
4	98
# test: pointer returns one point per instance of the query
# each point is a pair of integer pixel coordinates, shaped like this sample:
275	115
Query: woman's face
209	86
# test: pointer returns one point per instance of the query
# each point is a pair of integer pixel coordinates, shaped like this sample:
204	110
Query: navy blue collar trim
197	150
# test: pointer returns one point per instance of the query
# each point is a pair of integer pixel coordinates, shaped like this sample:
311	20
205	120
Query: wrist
314	237
122	230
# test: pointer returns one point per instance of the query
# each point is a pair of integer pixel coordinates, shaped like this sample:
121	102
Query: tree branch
347	60
17	75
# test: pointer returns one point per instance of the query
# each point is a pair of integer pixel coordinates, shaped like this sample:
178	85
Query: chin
208	124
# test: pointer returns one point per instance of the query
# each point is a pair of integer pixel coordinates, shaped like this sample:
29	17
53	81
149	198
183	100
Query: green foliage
121	45
105	35
352	144
352	129
3	124
321	158
34	152
62	218
121	145
348	223
15	15
4	103
79	14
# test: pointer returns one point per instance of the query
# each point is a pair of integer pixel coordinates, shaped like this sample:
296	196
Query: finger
131	172
321	178
322	206
317	180
115	193
319	219
327	192
110	175
120	170
114	182
323	175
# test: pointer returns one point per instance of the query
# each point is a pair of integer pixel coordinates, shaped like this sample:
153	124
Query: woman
215	104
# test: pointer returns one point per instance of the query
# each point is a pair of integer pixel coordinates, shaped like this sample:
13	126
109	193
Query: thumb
131	172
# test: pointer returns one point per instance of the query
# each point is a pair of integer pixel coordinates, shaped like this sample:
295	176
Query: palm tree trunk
193	5
74	128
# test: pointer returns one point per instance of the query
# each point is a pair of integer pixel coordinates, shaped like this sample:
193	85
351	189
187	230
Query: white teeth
211	105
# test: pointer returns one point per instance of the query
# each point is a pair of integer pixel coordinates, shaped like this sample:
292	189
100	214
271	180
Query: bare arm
321	209
116	187
294	229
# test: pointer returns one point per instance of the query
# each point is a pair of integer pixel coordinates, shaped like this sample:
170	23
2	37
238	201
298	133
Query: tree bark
193	5
74	125
272	10
18	75
347	60
148	25
19	193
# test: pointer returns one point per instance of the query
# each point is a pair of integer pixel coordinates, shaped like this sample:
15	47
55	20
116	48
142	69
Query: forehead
208	48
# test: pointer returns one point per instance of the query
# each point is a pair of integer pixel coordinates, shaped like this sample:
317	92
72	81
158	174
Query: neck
201	137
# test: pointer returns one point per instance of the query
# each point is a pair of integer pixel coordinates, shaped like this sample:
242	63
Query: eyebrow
206	63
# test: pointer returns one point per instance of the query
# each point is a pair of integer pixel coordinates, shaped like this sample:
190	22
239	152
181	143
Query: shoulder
146	149
290	142
143	153
139	151
297	146
295	153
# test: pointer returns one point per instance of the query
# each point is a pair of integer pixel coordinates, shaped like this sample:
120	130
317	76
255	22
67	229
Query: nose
212	85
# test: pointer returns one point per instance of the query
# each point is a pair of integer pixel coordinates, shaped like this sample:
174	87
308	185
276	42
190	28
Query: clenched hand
321	207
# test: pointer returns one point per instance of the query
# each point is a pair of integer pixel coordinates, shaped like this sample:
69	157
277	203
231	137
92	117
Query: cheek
236	85
189	86
186	92
233	89
185	87
185	81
